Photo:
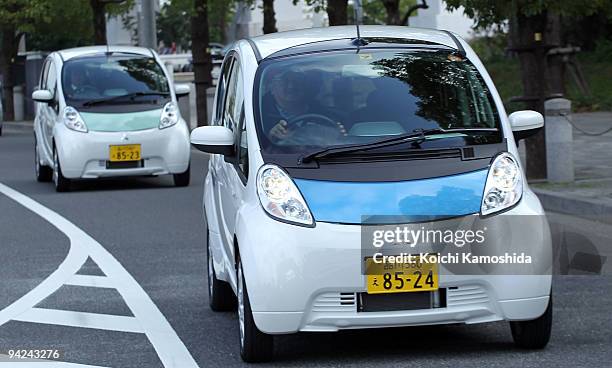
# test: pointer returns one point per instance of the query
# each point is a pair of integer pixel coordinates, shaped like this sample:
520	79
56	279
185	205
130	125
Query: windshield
101	78
340	98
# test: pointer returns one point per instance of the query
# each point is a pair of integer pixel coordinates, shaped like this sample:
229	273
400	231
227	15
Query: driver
286	100
78	80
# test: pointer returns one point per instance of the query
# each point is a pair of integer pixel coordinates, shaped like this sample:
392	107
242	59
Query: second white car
108	111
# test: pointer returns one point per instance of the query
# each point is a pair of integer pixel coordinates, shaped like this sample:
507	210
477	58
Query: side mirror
525	123
213	139
42	95
181	90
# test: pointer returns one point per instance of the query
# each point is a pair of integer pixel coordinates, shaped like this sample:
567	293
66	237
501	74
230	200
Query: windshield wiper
120	97
417	136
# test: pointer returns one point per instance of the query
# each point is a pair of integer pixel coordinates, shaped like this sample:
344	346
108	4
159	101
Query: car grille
466	295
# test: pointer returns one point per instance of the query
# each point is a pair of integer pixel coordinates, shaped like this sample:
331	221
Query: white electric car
318	136
108	111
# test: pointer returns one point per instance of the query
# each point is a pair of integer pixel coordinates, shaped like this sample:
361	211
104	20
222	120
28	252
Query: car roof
68	54
273	42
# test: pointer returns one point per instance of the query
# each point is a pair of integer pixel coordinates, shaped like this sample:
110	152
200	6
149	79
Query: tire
43	173
255	346
182	179
533	334
220	294
62	184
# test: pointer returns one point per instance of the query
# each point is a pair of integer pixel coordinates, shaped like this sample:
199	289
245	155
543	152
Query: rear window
339	98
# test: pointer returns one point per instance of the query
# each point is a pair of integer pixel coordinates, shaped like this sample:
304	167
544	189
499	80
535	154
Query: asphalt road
147	231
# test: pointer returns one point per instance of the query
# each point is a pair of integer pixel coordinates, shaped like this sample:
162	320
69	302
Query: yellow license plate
125	152
401	277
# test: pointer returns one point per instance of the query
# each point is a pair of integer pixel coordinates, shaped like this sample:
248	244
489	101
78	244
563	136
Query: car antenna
358	19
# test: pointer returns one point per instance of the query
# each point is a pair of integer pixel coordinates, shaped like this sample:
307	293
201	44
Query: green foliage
490	13
374	11
174	21
24	15
490	47
69	25
597	72
318	5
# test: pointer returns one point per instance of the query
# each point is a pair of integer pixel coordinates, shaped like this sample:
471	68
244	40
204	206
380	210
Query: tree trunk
201	58
222	21
269	18
556	66
98	10
8	54
527	37
393	13
336	12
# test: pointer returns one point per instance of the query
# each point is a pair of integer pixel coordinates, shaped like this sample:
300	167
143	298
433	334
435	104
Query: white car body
302	278
83	155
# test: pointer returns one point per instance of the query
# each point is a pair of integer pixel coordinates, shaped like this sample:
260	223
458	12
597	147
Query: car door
216	166
232	193
49	111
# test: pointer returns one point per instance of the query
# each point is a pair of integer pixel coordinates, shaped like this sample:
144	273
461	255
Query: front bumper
309	279
84	155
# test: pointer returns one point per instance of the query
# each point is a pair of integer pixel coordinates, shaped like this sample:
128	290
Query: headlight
280	197
73	119
169	115
504	187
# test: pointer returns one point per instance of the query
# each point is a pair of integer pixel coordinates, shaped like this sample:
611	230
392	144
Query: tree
395	9
99	11
202	64
171	25
336	10
269	18
54	35
534	30
16	18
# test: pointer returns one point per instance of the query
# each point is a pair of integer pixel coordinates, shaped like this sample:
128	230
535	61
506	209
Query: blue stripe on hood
427	199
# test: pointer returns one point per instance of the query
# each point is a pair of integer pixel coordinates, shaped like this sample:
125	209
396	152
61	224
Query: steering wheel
305	120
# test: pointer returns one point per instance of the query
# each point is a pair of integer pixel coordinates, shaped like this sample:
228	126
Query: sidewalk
18	126
590	196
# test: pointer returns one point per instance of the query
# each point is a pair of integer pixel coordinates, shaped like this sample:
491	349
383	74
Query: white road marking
91	281
170	349
81	319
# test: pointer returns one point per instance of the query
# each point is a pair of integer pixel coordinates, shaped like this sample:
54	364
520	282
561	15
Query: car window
221	87
43	74
243	146
233	99
338	98
51	83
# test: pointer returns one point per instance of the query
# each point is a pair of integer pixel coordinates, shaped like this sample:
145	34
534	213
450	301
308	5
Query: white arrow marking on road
170	349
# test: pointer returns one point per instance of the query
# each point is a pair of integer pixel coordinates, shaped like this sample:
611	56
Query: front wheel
255	346
43	173
182	179
220	294
62	184
533	334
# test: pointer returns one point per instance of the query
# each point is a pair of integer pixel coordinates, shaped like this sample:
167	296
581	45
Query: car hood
121	122
394	202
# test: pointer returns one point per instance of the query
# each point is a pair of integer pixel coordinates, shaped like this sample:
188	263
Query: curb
591	209
22	126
